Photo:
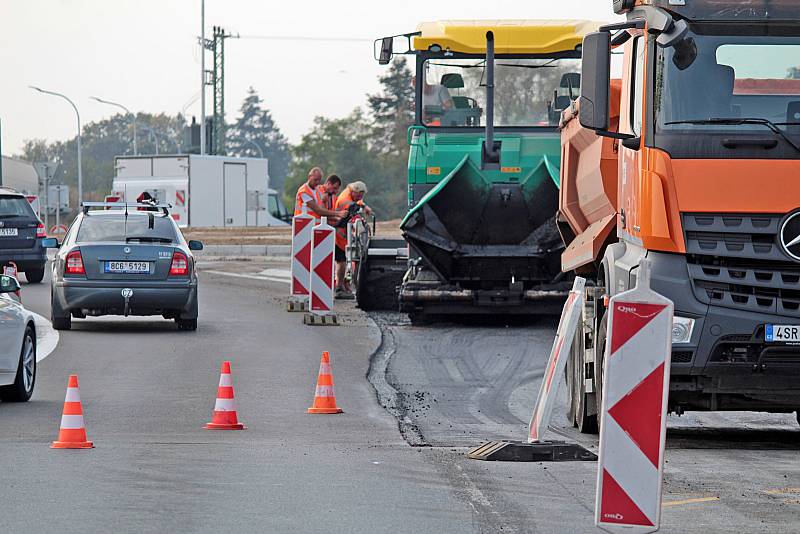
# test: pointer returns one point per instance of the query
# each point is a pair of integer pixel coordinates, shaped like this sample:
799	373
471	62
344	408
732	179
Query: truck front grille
735	261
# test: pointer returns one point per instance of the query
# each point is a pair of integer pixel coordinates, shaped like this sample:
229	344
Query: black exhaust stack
491	148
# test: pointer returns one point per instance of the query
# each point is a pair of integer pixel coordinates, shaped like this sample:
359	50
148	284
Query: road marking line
46	337
251	277
277	273
690	501
783	491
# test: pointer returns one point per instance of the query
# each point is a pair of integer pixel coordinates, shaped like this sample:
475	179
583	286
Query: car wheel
188	325
61	320
22	388
34	276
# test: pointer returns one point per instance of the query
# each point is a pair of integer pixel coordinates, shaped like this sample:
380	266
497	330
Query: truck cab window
638	85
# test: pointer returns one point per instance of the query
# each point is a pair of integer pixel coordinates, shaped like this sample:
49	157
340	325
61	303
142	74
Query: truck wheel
35	276
600	353
579	399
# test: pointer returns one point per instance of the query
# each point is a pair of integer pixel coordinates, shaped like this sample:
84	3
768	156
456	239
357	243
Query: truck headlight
682	328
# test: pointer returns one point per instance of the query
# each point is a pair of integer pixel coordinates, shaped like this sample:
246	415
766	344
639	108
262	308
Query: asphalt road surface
414	398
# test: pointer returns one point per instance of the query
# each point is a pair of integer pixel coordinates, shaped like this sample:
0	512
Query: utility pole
216	46
202	77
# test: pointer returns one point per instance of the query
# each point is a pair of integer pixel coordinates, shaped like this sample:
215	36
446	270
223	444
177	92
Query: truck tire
35	276
600	352
579	407
377	288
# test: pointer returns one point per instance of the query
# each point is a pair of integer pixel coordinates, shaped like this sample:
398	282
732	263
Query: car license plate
9	232
128	267
781	333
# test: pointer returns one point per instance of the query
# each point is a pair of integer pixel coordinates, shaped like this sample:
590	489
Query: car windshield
711	75
141	227
14	206
528	92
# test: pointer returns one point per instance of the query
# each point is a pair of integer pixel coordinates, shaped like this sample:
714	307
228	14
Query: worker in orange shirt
352	194
310	195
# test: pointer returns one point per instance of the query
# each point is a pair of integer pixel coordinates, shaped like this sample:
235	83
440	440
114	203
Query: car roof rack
164	208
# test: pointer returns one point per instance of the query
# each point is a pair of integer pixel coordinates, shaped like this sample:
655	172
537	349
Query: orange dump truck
691	159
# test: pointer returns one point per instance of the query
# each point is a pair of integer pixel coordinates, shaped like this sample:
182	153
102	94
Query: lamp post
258	147
135	144
77	113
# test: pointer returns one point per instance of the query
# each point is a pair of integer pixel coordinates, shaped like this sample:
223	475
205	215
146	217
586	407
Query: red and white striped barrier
322	268
633	419
559	354
302	230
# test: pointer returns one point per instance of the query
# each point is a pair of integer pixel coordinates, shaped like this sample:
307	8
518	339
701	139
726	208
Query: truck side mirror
596	81
387	51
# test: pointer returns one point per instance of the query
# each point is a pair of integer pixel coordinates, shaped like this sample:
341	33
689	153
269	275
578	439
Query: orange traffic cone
224	416
324	397
72	434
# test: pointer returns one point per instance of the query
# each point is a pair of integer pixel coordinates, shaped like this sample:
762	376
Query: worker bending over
310	195
352	194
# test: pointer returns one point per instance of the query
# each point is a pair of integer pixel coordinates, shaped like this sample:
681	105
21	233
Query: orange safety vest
306	194
343	203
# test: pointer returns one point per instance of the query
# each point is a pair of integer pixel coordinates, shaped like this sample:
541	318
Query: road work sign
548	391
633	419
302	231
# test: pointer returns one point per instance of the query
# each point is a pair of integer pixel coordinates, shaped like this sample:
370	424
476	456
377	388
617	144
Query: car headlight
682	328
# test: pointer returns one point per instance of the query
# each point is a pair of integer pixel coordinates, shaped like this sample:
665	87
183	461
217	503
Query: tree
255	126
393	109
101	142
342	147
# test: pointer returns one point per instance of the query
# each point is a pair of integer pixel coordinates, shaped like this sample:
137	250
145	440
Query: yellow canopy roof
511	36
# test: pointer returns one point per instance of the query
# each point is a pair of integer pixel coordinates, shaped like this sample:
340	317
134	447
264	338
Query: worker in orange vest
330	192
352	194
310	195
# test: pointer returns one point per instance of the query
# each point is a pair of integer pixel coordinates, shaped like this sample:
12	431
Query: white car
17	345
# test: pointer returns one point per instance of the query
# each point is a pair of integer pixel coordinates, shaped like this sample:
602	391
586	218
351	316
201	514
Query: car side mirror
50	242
195	245
9	284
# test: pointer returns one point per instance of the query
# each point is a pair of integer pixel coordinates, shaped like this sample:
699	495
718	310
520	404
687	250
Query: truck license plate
128	267
778	333
9	232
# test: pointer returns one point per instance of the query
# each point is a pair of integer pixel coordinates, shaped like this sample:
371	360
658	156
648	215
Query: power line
308	38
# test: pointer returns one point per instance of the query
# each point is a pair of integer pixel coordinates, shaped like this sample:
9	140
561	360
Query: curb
246	250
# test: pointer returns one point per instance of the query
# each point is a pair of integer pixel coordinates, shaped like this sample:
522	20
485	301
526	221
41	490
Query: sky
144	55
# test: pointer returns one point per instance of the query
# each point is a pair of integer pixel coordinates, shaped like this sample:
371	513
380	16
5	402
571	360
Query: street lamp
80	172
135	147
260	150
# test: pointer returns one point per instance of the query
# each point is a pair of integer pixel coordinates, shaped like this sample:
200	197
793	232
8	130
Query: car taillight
41	231
74	263
180	264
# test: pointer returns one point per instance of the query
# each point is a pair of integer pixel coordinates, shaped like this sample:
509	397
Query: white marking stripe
630	468
250	276
225	405
636	359
46	337
325	391
73	395
225	380
71	422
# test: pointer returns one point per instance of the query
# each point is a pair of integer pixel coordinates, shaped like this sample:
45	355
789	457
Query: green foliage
255	126
101	141
371	149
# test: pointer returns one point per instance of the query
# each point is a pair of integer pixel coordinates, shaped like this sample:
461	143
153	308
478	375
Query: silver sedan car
17	345
126	260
